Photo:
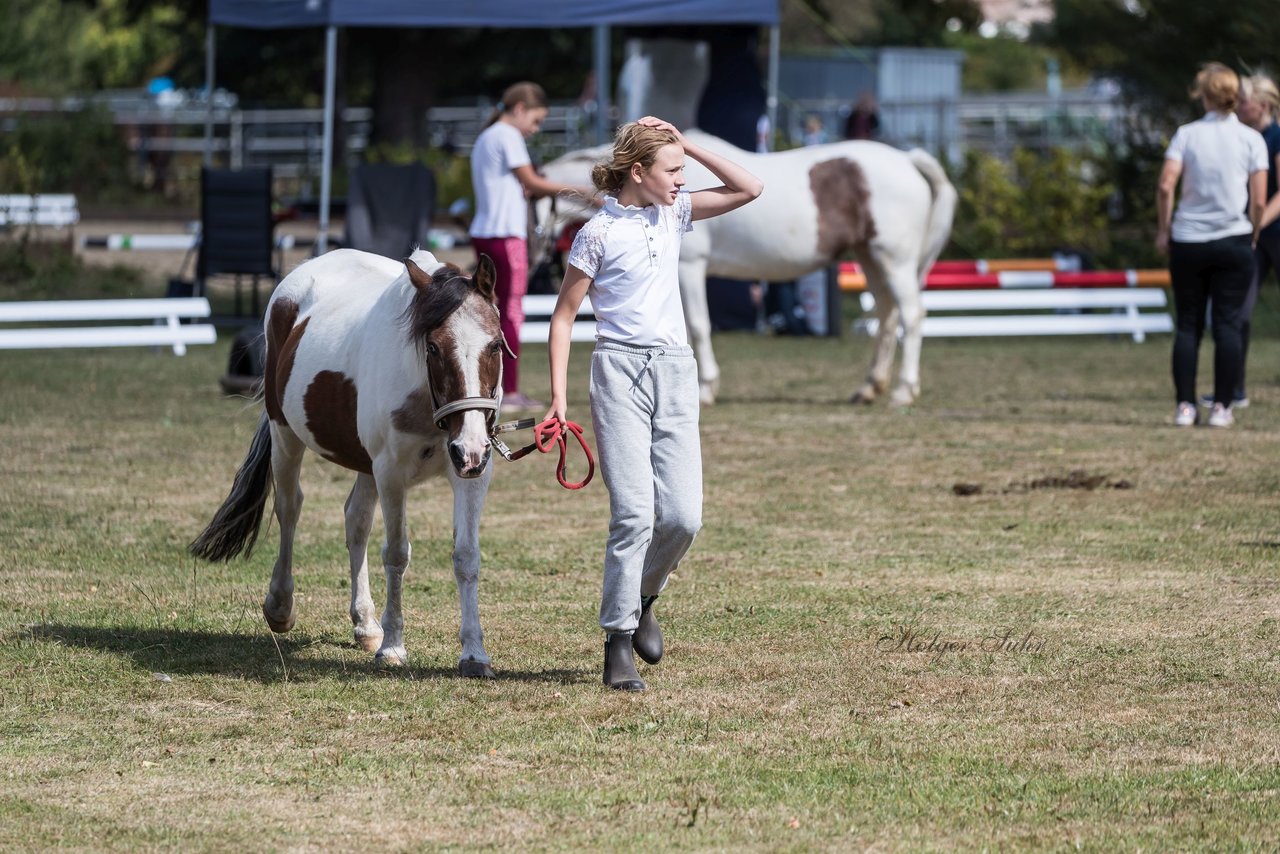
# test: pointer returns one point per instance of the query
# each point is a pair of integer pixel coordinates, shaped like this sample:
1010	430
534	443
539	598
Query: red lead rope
548	434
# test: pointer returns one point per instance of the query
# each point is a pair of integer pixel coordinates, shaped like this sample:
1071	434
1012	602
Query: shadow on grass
266	659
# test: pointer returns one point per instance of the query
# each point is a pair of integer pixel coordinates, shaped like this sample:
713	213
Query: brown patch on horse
330	405
282	347
414	415
844	206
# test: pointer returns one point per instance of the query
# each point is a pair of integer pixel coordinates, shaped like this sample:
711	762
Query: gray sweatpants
644	404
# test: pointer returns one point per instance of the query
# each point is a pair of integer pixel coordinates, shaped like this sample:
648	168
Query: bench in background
166	327
55	210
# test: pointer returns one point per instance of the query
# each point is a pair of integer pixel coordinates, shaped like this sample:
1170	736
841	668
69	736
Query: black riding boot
648	637
620	665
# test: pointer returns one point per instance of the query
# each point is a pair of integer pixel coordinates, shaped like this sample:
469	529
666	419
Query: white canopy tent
599	14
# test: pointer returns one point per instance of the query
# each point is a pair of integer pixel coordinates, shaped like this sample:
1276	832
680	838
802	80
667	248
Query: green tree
1154	47
870	23
1032	206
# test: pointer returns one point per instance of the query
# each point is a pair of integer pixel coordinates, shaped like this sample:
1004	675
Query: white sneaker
1206	400
1185	415
1221	416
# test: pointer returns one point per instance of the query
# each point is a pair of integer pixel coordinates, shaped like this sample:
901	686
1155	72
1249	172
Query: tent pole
326	166
603	85
771	97
209	47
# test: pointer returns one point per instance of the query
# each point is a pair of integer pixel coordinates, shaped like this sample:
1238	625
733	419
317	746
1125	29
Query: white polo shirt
501	210
1218	154
632	255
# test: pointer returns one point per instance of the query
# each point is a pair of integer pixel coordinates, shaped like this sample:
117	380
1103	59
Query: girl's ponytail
525	92
634	143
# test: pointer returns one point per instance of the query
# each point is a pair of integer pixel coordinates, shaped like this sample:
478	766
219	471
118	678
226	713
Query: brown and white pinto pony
392	370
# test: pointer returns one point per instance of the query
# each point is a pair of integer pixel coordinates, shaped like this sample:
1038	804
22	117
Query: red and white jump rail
951	275
1094	302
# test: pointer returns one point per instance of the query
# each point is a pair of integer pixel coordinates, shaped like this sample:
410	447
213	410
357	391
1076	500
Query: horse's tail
944	207
234	528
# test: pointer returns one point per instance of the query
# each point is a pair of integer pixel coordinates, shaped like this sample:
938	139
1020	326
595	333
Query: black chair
389	208
237	230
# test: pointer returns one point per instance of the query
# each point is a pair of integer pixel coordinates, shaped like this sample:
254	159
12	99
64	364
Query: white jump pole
771	96
604	86
326	157
209	47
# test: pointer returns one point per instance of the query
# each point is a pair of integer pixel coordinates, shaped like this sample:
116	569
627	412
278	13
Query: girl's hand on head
661	124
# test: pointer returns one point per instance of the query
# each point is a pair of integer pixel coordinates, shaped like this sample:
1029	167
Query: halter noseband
462	404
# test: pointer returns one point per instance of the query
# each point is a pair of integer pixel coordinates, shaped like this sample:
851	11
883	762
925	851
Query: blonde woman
1222	166
1259	106
644	381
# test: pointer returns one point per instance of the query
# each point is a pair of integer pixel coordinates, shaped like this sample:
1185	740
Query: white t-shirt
1218	154
632	254
500	203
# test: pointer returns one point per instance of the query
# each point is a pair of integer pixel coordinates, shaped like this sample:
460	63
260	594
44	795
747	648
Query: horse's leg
395	560
286	464
904	282
468	503
359	515
697	319
886	313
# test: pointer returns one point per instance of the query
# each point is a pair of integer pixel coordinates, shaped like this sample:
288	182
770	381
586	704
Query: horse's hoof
902	398
862	397
706	395
391	658
473	669
368	641
279	625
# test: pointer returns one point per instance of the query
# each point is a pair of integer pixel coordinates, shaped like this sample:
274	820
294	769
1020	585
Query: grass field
858	656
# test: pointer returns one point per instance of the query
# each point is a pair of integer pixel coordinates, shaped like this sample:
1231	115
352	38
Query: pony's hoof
277	623
369	641
391	657
473	669
863	397
902	398
707	394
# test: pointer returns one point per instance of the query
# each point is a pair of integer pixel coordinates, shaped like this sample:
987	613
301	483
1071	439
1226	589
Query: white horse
891	210
387	369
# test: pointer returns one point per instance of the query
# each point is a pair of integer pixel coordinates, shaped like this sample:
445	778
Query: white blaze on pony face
477	357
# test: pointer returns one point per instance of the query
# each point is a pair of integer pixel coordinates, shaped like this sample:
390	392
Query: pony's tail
943	211
234	528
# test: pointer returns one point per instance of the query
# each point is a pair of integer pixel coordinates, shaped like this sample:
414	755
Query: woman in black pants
1222	164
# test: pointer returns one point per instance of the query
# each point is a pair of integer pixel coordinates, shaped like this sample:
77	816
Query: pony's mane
431	306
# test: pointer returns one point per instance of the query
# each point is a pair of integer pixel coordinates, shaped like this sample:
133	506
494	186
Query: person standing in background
815	133
1222	165
864	118
504	179
1259	105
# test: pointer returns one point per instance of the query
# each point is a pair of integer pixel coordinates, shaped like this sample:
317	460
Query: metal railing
290	140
